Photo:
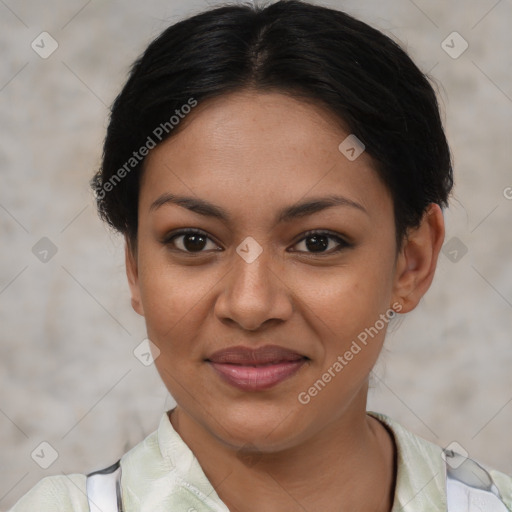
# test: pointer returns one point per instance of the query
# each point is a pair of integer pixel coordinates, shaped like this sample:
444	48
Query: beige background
68	375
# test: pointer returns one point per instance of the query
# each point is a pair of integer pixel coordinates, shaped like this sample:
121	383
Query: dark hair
307	51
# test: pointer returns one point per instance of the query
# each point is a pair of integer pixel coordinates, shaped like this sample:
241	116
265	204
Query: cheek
175	299
349	298
344	307
347	310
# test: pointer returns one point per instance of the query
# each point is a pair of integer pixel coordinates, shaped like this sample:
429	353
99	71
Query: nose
254	294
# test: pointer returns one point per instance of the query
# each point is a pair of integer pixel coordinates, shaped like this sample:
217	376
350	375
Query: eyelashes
188	240
320	237
195	235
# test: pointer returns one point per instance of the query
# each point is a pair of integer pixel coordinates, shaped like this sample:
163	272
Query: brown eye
190	241
321	242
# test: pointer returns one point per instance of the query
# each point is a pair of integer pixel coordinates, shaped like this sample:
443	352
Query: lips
256	369
269	354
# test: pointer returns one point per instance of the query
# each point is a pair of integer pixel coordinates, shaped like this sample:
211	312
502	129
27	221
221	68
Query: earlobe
132	273
417	260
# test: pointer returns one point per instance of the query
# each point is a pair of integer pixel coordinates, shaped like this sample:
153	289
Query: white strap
469	487
104	489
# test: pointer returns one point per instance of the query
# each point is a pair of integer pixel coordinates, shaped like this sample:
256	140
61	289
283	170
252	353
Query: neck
349	465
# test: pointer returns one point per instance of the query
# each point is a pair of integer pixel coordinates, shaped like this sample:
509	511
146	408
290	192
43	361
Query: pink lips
256	369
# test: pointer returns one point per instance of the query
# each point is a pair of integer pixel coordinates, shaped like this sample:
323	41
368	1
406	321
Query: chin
269	426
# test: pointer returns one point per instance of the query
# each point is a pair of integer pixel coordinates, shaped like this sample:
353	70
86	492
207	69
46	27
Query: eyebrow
287	214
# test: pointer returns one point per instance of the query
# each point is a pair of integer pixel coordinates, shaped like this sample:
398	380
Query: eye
190	241
322	242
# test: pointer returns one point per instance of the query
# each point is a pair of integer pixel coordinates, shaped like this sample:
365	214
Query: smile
256	369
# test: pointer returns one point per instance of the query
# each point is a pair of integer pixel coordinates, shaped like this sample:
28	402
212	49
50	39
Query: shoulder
421	469
59	493
504	484
68	493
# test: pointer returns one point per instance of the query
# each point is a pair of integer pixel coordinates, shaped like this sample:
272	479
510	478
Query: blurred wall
68	375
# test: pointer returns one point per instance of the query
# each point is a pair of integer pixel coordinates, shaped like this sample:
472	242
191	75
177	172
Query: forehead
247	147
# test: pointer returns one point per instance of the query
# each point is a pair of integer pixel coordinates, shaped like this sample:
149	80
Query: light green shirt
162	474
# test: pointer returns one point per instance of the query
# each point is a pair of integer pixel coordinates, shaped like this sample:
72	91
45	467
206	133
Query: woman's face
249	165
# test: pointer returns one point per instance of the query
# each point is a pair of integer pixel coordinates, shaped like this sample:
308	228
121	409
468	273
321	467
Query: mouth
256	369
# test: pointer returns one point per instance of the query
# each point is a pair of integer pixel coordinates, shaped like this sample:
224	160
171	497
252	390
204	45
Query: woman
279	176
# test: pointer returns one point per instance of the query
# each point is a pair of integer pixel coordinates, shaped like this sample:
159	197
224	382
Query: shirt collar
420	480
421	471
182	460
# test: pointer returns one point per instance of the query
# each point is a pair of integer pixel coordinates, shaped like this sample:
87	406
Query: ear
132	273
417	259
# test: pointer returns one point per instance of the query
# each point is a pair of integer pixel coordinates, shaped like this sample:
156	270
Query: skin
252	154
